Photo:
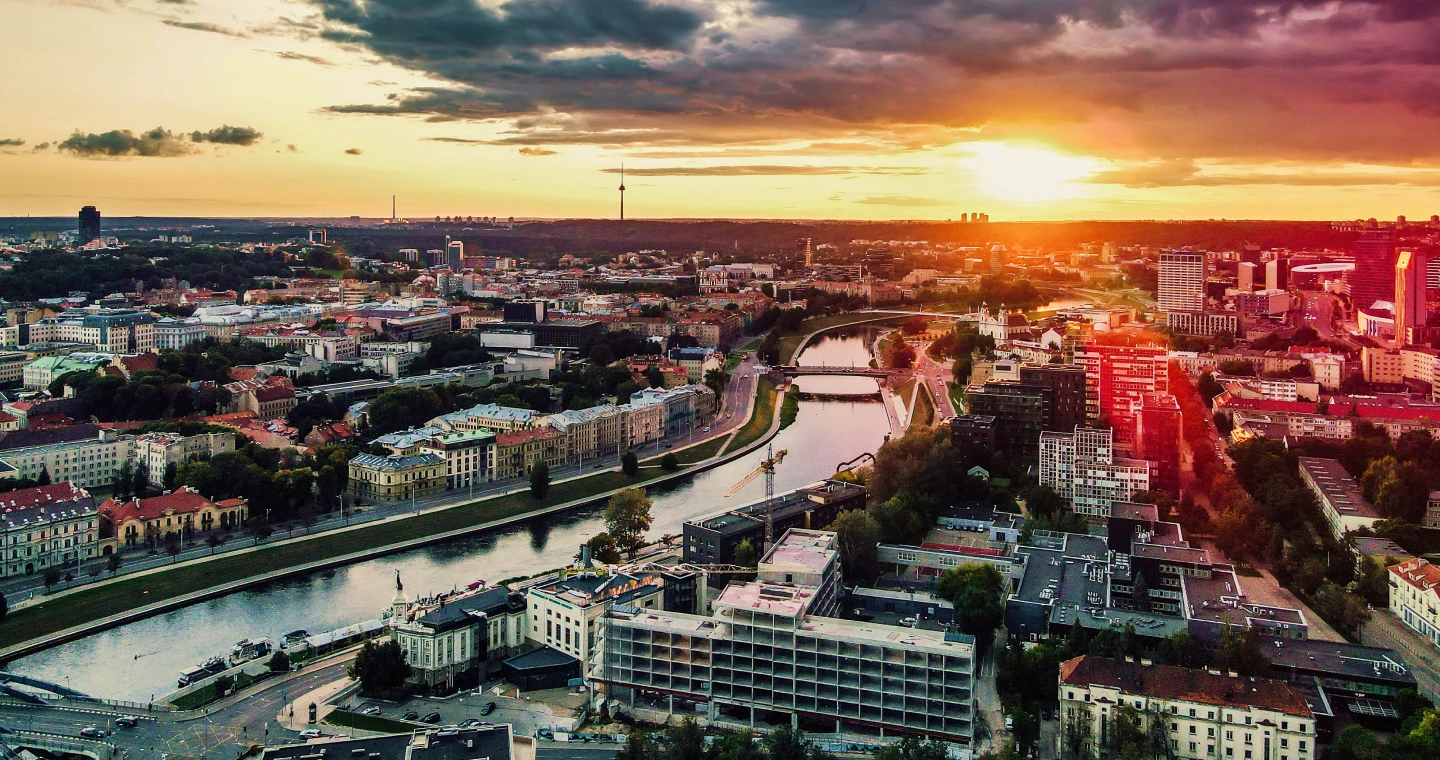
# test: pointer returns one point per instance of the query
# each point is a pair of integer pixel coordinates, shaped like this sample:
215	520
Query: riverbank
107	604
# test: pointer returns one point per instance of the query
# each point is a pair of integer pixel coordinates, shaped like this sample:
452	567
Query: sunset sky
883	109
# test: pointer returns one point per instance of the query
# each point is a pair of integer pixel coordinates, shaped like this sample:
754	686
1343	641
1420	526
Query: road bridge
790	370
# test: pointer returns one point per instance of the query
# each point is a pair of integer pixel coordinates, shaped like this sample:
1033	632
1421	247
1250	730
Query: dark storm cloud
155	143
11	142
228	135
1141	77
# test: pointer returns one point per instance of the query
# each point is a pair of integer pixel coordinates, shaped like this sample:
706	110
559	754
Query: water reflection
141	660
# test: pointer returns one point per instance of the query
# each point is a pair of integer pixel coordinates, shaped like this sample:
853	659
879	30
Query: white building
88	463
1415	596
1182	281
175	334
564	614
458	641
1204	715
1344	507
155	452
116	331
1082	467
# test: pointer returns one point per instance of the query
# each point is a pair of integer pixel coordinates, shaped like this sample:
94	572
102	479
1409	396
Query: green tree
978	593
627	518
1043	501
1242	652
4	606
112	563
685	741
669	462
857	535
913	748
279	662
637	746
737	746
1178	649
380	667
1078	742
172	546
223	685
540	480
52	577
603	549
630	464
787	743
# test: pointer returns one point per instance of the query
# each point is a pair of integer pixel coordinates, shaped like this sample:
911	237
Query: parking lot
535	710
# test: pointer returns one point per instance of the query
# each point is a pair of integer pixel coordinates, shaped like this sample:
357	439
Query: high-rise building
1019	412
1117	379
1245	277
454	252
89	224
1374	276
880	265
1082	467
1158	431
997	258
1064	386
1277	274
1182	281
1410	291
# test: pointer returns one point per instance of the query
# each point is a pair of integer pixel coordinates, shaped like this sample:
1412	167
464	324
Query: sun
1025	174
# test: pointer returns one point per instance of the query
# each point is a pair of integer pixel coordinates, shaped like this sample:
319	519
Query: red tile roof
1188	684
517	437
1420	573
55	493
182	501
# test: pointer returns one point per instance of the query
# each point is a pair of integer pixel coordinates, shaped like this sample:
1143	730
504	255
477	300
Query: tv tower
622	192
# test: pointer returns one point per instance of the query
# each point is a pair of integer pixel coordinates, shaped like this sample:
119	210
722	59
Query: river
140	661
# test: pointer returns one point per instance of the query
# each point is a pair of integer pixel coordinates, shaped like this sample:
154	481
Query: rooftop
1184	684
396	462
806	551
1338	488
785	599
1419	573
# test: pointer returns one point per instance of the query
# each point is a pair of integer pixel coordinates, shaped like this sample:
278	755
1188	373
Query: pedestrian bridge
790	370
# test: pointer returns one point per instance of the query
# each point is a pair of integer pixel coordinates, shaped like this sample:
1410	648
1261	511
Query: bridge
790	370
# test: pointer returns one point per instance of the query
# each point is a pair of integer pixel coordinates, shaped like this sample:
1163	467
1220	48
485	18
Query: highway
735	409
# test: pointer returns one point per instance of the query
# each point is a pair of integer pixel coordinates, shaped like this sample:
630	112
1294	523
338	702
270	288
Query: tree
1340	608
213	541
637	747
112	563
630	464
787	743
1043	501
857	535
685	741
52	577
1242	652
380	667
737	746
669	462
1115	643
1078	742
603	549
1178	649
978	593
627	518
913	748
172	546
223	685
279	662
4	606
540	480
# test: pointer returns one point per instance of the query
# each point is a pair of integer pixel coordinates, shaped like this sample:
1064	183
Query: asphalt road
1319	313
1386	630
735	407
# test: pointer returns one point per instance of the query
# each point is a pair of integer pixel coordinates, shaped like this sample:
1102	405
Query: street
1319	313
1386	630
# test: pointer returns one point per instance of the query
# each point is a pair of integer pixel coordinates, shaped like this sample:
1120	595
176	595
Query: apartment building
469	456
39	374
156	452
764	651
116	331
1204	715
491	417
1082	467
589	433
268	397
1182	281
457	642
1415	596
12	367
88	462
518	451
175	334
808	558
46	527
1344	507
1117	379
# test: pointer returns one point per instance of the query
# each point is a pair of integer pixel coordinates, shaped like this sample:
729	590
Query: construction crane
766	468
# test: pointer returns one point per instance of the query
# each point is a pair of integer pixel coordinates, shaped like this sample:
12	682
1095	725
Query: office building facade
1182	281
1374	276
1410	292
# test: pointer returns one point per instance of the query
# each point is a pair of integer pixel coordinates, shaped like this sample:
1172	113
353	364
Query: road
735	408
936	376
1386	630
1319	313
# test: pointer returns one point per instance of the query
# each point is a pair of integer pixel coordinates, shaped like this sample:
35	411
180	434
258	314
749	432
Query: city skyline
1054	110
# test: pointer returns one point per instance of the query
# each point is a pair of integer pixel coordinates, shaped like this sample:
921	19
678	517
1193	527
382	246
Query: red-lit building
1117	379
1158	433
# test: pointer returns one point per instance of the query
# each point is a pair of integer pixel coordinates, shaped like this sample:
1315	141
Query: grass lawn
206	694
923	415
102	601
760	420
376	723
790	407
957	397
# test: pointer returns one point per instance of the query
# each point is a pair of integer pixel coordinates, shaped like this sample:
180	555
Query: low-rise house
268	397
148	523
330	434
155	453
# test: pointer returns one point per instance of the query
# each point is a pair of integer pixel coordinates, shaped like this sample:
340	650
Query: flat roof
786	599
810	551
1338	488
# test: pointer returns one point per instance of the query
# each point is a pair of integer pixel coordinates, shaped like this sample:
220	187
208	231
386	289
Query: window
1192	712
1229	735
1192	746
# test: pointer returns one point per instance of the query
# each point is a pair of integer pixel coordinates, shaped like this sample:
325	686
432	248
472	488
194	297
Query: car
92	732
488	708
125	721
371	710
912	620
412	715
706	430
432	718
311	733
469	723
1009	723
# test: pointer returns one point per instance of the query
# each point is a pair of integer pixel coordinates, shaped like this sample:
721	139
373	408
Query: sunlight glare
1010	173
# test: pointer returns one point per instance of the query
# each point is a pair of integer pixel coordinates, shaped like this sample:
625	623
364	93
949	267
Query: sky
815	109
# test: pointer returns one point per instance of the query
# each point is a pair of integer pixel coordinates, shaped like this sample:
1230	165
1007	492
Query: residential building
1415	597
697	361
148	523
518	451
1019	412
1204	715
469	456
1432	510
12	367
1202	323
564	614
396	477
973	431
175	334
807	558
330	434
1245	276
47	527
269	397
89	225
87	462
1064	392
484	742
155	453
39	374
488	417
1344	507
1082	468
1158	435
116	331
1117	378
764	650
588	433
455	642
1182	281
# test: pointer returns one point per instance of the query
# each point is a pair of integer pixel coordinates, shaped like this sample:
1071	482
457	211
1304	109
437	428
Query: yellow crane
766	468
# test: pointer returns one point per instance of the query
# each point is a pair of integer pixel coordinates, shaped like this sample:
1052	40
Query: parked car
910	621
469	723
412	715
125	721
1009	723
311	733
371	710
92	732
433	717
488	708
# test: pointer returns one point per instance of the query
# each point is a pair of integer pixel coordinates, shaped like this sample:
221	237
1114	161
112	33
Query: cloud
537	152
202	26
11	142
291	147
293	56
901	200
753	170
353	151
40	147
228	135
1155	174
1186	173
156	143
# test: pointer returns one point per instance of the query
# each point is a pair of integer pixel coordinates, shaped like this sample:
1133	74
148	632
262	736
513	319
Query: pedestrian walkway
296	714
